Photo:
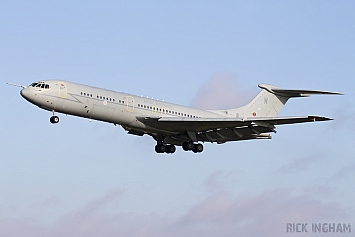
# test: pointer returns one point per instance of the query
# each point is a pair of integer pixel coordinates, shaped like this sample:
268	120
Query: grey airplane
169	124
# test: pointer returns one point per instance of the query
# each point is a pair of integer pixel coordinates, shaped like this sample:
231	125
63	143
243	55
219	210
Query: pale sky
81	178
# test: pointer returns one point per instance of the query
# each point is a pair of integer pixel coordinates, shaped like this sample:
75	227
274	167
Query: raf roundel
104	102
254	114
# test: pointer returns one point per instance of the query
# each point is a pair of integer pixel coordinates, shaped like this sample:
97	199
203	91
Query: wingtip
318	118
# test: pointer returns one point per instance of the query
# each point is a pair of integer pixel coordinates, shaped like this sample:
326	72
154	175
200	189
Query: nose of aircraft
25	93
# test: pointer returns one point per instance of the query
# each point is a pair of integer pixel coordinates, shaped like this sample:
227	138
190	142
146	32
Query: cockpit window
40	85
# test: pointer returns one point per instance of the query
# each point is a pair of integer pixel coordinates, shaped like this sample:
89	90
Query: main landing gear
187	146
54	119
161	148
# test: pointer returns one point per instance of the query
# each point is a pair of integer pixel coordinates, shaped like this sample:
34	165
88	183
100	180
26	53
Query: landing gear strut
54	118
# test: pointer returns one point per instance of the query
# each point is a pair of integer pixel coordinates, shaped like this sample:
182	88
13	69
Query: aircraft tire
54	119
198	148
184	146
160	148
170	149
188	146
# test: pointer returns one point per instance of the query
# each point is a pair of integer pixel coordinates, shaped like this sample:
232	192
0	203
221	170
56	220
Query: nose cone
25	93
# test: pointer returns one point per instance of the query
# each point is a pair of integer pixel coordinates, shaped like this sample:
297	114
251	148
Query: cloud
260	215
346	172
343	118
222	91
220	214
300	163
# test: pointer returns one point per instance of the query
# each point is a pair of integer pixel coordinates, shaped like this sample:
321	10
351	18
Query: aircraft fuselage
105	105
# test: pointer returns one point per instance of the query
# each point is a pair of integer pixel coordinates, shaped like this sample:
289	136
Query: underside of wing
221	129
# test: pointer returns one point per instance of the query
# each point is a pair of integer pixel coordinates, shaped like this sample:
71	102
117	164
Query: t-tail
270	101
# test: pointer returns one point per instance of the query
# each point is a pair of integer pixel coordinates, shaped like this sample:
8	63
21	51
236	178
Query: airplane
169	124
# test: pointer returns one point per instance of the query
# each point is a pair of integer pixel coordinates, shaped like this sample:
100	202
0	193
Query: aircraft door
130	103
62	90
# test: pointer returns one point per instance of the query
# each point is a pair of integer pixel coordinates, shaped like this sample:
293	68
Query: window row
100	97
105	98
86	94
155	109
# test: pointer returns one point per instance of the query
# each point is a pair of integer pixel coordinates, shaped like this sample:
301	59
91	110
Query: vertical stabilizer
270	101
265	104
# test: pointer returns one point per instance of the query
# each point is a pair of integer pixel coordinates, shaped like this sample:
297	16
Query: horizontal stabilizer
295	93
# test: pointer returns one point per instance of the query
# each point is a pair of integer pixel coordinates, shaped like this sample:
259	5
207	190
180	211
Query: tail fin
270	101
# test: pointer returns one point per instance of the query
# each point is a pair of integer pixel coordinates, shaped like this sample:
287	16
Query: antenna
11	84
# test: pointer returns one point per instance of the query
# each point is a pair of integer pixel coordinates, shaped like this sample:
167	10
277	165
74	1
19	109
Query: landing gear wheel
187	146
160	148
170	149
54	119
198	148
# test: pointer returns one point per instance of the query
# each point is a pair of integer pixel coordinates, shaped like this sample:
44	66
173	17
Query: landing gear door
63	90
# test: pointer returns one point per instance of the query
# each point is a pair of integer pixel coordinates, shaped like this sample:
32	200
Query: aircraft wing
224	129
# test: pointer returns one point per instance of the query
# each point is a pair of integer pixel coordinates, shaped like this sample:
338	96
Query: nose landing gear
54	119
